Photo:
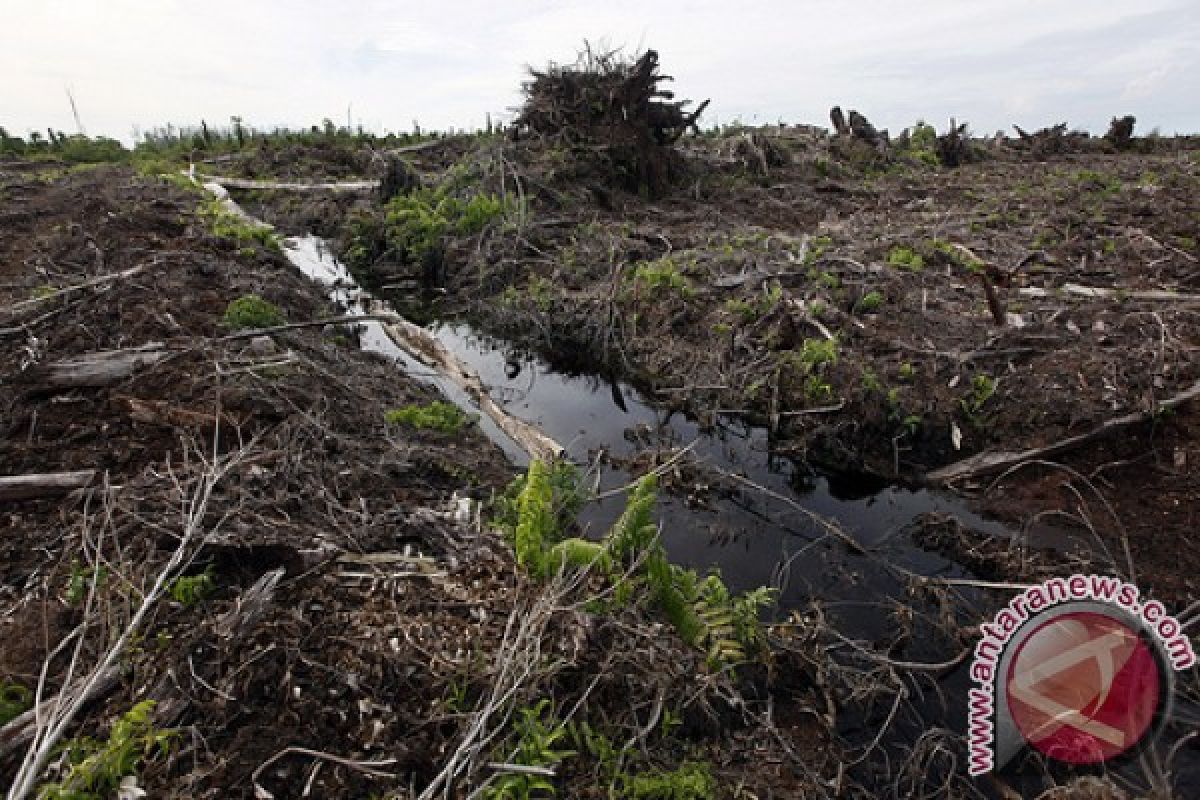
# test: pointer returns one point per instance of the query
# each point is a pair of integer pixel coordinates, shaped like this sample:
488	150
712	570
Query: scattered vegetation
869	303
227	225
94	769
905	258
251	312
537	737
190	590
662	274
692	780
982	389
15	700
436	416
81	580
702	610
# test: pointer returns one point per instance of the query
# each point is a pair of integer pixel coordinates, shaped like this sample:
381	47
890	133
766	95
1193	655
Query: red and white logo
1083	687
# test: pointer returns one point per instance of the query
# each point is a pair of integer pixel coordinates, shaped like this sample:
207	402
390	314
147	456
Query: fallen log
288	186
1157	295
94	370
995	461
424	347
49	484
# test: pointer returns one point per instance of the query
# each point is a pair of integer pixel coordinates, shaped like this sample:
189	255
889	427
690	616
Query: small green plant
251	312
817	248
81	580
662	274
906	258
15	700
537	735
94	769
692	780
869	303
827	280
228	225
982	389
816	353
703	612
958	256
436	416
566	497
541	292
1099	181
190	590
907	371
922	144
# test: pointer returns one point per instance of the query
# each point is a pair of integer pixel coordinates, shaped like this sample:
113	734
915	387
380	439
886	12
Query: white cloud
992	61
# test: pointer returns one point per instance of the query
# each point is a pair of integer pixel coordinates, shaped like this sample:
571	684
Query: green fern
535	524
95	769
693	780
579	554
537	745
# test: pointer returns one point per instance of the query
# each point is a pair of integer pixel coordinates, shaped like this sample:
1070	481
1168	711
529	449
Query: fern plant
95	769
535	521
537	745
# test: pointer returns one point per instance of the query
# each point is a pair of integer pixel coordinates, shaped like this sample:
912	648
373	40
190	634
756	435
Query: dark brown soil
385	628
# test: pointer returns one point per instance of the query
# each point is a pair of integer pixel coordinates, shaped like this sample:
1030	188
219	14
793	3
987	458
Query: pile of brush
612	115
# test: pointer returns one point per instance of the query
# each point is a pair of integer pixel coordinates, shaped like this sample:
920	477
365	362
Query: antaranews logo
1079	668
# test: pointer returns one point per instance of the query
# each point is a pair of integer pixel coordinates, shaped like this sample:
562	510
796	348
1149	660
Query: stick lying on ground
287	186
50	484
93	370
994	461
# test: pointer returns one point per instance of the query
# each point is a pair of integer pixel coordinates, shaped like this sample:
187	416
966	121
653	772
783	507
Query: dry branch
20	729
101	368
993	461
1096	291
286	186
50	484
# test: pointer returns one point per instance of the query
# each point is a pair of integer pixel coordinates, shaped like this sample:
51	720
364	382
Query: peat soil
349	620
878	316
392	621
724	295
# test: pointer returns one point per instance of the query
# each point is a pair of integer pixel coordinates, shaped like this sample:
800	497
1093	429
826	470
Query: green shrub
436	416
869	303
906	258
538	735
693	780
922	144
189	590
227	225
94	769
250	312
79	149
662	274
417	224
14	701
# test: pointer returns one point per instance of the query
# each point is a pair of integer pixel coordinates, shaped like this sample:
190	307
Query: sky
133	65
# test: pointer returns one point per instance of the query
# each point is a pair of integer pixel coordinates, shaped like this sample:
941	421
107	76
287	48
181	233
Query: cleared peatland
333	625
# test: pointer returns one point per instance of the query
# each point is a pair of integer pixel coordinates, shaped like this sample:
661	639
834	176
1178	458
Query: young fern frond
535	522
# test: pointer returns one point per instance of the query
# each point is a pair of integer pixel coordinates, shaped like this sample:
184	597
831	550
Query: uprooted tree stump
954	147
611	114
1120	131
1052	141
